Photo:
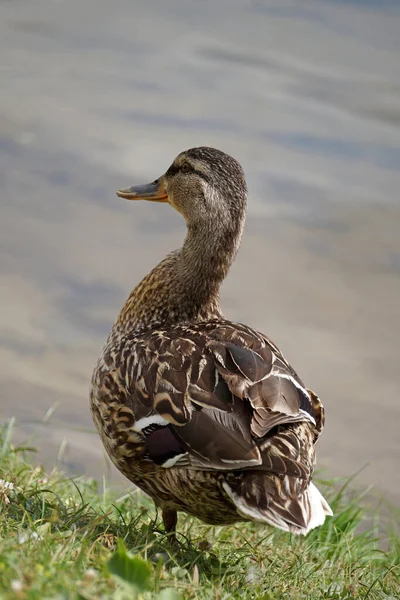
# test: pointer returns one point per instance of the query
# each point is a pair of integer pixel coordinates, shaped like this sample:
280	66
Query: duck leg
170	519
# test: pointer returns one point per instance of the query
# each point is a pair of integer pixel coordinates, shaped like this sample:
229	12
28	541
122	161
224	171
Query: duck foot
170	519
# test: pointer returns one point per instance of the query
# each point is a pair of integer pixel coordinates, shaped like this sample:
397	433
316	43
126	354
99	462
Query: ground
63	538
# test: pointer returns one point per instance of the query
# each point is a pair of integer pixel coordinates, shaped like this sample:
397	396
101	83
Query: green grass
60	538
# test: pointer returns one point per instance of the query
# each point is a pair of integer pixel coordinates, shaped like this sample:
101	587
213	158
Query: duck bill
155	192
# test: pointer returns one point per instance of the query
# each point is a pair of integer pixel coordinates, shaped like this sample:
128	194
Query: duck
203	414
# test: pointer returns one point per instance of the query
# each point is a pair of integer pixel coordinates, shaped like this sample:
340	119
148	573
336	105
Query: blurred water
306	94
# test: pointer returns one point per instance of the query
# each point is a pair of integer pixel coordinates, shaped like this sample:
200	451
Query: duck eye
185	168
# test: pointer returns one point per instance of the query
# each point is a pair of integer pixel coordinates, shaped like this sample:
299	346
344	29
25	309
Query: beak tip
123	194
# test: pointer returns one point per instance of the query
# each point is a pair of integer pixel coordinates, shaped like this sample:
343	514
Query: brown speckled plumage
205	415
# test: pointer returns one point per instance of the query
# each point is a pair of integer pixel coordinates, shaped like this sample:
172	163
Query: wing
215	397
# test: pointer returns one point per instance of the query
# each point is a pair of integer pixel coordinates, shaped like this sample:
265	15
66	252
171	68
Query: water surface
306	95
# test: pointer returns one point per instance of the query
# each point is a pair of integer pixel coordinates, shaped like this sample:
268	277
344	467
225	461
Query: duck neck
185	285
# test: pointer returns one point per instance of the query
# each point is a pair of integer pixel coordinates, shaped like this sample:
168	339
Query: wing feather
225	390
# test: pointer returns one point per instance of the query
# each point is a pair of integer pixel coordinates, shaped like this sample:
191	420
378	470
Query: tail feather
319	508
266	498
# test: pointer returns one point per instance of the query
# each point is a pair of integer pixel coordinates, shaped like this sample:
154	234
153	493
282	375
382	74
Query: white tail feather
313	505
319	508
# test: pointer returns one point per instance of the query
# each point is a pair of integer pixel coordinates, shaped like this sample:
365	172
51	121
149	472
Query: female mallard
202	414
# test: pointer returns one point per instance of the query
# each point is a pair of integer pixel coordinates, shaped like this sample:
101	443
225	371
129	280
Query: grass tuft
61	539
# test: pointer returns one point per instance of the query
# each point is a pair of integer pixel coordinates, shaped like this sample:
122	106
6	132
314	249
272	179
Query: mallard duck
205	415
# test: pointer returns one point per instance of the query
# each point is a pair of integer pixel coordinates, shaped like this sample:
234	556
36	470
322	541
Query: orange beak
155	192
